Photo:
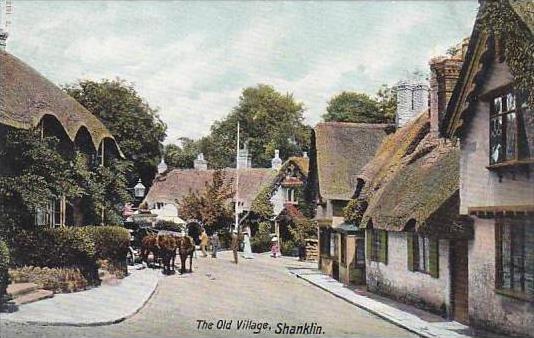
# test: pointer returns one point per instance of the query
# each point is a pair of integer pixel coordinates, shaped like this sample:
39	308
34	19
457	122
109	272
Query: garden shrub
4	262
58	280
111	247
169	226
288	248
261	241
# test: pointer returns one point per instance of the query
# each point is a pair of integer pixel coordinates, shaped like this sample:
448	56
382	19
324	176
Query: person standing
235	244
204	243
247	249
215	244
274	247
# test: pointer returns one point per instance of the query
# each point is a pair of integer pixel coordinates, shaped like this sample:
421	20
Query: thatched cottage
339	152
491	114
30	101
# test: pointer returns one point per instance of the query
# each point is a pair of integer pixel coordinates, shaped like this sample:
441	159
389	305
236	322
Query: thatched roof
26	96
413	178
174	185
342	150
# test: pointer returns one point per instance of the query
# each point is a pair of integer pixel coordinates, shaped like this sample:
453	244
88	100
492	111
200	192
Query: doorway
459	281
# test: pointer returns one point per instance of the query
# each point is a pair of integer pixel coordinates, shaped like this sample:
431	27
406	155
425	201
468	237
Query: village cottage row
442	215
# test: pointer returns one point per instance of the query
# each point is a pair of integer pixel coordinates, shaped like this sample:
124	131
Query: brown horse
168	245
149	244
186	247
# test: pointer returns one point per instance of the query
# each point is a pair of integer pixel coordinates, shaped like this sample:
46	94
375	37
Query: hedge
4	262
71	247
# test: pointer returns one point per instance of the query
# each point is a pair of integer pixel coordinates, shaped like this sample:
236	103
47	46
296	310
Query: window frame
517	236
520	140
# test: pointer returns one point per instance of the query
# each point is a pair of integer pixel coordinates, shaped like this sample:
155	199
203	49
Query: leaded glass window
511	129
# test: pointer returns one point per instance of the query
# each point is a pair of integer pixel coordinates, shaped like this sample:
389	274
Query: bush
169	226
288	248
4	262
59	280
111	242
261	241
60	247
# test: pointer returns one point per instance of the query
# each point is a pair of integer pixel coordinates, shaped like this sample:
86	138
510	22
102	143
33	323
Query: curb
88	324
376	313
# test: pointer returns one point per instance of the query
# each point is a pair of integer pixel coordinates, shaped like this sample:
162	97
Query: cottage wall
480	186
277	200
486	307
395	280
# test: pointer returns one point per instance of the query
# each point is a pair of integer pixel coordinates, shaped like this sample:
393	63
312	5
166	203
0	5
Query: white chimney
200	163
305	154
244	159
162	166
412	99
276	162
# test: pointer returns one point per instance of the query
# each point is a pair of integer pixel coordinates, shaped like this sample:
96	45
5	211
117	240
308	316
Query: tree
211	206
135	125
269	120
361	108
183	155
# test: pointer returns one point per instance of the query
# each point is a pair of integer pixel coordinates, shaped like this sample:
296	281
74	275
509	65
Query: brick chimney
445	72
200	163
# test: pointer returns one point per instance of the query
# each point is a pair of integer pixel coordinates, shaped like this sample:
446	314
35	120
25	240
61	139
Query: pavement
408	317
91	307
218	295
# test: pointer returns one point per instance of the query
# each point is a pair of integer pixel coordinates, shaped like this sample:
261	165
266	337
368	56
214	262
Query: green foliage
301	229
111	242
288	248
261	241
59	280
210	205
59	247
183	155
261	206
269	120
354	211
499	19
4	262
135	125
361	108
169	226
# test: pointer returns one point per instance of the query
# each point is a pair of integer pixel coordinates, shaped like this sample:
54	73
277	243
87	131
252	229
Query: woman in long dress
247	249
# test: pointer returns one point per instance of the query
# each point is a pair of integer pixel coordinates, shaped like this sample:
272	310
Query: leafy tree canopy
269	120
361	108
135	125
182	155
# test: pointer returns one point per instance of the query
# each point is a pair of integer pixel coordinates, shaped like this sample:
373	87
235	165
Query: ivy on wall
502	21
354	211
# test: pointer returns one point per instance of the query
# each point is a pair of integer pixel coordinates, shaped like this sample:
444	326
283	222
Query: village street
261	289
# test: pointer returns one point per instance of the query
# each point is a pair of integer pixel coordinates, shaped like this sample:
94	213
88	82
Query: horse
186	247
149	244
168	245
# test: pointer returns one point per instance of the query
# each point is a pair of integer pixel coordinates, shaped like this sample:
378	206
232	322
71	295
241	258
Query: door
459	280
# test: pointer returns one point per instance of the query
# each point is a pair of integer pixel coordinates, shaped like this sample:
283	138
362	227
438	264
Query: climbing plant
354	211
502	21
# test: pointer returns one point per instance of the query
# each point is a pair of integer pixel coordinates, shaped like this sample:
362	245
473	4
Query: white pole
237	181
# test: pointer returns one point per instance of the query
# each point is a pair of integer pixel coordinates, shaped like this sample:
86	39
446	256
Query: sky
193	59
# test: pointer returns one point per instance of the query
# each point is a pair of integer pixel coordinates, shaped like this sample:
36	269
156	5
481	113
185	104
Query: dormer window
511	136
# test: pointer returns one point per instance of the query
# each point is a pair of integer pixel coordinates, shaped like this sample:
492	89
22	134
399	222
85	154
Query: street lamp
139	189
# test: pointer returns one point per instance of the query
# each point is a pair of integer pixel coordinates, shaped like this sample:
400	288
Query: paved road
220	292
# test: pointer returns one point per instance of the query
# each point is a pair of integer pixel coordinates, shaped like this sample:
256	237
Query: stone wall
412	287
487	308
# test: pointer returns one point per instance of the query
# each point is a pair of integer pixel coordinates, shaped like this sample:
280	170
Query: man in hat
235	244
215	244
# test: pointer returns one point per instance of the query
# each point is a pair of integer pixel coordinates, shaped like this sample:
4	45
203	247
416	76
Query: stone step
33	296
18	289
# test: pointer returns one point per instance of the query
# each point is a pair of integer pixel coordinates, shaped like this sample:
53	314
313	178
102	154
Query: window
511	129
515	256
423	254
359	259
290	196
377	245
337	207
333	245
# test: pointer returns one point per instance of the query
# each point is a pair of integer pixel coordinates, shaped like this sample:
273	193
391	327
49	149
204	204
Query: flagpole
237	182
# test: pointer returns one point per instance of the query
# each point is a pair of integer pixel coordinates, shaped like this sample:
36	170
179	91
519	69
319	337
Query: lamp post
139	190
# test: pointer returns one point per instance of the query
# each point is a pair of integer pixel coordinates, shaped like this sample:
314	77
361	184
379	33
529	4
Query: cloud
193	59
